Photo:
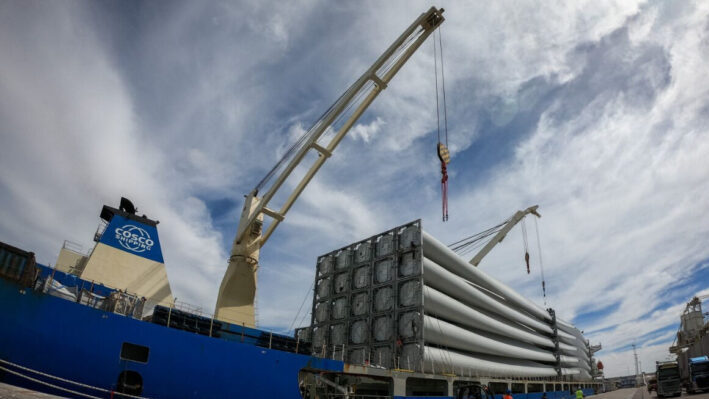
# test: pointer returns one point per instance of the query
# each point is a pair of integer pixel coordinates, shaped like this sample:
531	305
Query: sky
597	111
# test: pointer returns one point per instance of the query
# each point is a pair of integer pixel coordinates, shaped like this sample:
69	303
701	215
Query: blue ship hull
175	354
83	344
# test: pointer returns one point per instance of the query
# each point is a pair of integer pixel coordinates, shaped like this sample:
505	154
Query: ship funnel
127	254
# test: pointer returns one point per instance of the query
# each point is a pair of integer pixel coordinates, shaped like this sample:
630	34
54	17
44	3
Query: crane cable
441	148
300	143
469	244
526	246
541	264
307	294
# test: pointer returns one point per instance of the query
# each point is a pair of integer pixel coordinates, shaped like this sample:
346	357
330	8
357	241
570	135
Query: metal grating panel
368	305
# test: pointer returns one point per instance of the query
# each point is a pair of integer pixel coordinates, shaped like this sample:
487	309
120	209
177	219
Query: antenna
635	355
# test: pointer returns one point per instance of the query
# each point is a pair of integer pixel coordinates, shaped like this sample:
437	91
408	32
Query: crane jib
380	73
235	299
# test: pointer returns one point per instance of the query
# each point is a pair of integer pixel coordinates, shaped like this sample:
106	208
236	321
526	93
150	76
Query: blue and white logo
134	238
131	236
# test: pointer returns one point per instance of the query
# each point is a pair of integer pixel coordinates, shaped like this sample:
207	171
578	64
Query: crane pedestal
235	303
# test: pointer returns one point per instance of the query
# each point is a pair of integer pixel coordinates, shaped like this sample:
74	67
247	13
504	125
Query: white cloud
366	132
71	141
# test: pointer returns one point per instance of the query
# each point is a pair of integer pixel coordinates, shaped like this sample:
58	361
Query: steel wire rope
525	242
345	112
399	50
478	234
355	100
59	379
443	83
384	69
472	247
444	158
541	263
299	143
312	286
435	73
475	246
302	319
474	243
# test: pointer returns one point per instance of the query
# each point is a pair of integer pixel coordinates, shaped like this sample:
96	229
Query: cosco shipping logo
134	238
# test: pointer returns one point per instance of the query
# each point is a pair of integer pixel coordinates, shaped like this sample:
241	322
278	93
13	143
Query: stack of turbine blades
402	299
470	314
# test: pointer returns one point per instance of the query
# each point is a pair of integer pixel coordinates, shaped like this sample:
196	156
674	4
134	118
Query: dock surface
11	391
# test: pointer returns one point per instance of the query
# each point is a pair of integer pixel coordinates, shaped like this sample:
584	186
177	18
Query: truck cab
474	391
698	374
668	379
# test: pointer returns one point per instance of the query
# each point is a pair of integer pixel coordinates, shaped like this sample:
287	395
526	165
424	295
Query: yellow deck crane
235	302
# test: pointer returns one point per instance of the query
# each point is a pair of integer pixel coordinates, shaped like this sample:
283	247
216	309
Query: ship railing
172	314
191	318
74	247
100	229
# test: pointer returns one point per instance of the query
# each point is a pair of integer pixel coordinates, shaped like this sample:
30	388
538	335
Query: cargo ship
398	314
396	324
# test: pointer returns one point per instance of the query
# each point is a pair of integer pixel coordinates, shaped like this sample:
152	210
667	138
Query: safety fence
177	314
